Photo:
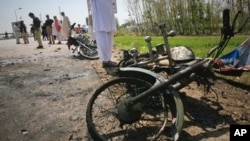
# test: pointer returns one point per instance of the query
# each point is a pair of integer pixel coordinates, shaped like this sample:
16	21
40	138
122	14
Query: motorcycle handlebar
226	29
72	26
226	18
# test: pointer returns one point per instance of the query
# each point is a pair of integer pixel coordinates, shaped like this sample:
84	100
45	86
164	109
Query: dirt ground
44	93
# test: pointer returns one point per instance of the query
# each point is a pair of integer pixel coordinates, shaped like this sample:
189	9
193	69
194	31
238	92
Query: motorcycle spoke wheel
88	52
102	113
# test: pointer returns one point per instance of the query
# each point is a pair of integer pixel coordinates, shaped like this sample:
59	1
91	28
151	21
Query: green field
200	45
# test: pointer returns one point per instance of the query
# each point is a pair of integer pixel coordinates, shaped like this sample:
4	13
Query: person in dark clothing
48	24
24	32
6	36
32	32
44	33
37	29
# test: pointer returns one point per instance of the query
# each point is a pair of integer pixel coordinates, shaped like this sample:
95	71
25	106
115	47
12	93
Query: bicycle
142	105
83	45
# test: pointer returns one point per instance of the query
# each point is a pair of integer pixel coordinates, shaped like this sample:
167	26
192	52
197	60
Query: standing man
6	36
37	29
17	32
65	25
58	29
104	25
24	32
48	24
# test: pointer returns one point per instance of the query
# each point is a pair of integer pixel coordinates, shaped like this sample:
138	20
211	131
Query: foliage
187	17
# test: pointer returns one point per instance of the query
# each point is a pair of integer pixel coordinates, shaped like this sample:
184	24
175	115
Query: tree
187	17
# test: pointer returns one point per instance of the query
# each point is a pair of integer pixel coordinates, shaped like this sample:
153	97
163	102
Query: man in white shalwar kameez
104	25
65	25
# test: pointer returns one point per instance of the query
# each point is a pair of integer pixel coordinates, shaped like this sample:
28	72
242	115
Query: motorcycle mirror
147	38
172	33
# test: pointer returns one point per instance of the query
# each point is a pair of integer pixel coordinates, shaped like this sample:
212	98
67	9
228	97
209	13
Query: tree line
186	17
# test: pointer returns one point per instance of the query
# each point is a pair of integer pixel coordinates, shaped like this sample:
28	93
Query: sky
76	10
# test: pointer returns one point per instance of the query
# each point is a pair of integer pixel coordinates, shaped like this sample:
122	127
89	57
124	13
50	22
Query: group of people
54	28
104	25
51	30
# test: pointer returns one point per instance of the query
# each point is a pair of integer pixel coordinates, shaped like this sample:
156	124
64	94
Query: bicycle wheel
88	52
106	122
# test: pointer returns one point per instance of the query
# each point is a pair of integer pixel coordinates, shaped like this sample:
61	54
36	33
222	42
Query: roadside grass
200	46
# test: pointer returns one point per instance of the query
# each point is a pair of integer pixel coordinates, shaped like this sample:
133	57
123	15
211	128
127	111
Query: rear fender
141	73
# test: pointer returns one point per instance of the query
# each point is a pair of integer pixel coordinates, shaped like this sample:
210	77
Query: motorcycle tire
88	52
105	121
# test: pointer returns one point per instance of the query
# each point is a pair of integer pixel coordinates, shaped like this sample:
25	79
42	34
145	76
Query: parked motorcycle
83	46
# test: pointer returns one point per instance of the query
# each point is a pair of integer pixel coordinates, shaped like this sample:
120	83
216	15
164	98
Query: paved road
10	50
44	92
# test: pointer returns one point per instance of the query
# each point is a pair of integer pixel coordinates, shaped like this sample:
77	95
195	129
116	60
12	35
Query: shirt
103	15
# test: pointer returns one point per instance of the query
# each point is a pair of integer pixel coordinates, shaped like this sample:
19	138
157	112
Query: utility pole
16	13
90	23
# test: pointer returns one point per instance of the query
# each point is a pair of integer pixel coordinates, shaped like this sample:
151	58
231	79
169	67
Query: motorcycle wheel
88	52
106	122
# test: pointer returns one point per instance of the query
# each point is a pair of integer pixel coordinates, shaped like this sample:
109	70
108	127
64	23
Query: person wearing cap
24	32
37	29
48	24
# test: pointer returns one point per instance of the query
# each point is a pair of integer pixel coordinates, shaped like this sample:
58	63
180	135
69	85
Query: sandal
109	64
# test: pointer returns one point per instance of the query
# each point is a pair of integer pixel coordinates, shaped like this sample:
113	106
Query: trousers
49	33
104	42
37	33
